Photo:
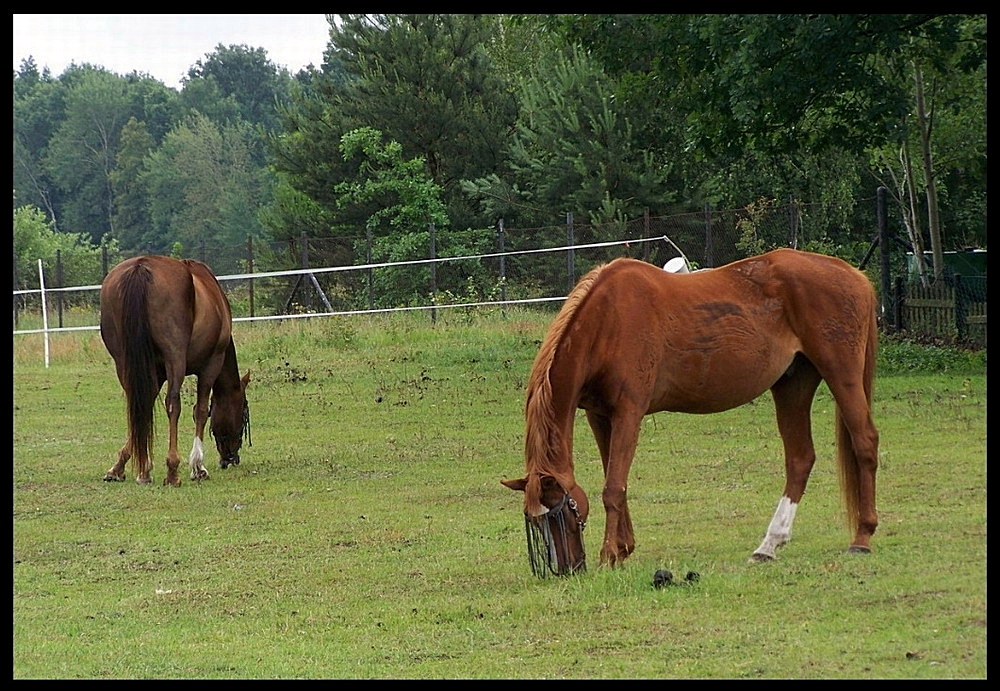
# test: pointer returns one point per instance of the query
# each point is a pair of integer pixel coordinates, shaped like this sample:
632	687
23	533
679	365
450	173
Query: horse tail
543	441
139	371
847	460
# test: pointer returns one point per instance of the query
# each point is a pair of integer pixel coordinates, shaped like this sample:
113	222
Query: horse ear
518	484
245	380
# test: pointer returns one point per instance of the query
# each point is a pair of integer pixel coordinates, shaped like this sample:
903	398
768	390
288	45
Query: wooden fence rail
941	310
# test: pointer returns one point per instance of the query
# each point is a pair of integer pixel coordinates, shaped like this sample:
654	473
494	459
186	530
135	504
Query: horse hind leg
173	406
793	395
116	473
857	456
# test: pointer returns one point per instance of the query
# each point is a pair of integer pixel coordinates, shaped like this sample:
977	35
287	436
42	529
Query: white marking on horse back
779	531
197	457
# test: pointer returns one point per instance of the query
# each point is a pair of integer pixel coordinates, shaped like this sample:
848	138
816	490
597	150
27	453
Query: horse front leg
793	395
196	459
616	441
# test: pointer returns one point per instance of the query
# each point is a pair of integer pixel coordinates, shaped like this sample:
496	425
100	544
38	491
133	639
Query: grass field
366	533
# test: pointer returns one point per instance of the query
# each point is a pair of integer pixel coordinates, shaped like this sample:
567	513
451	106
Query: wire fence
430	266
434	270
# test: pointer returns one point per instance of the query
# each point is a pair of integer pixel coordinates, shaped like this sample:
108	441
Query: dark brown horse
163	319
632	339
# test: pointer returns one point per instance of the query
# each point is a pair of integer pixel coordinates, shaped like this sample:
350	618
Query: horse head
230	414
554	519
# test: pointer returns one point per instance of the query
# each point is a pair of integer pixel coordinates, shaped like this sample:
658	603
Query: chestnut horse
163	319
632	339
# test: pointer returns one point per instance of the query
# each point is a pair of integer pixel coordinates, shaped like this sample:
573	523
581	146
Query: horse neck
548	434
229	377
549	422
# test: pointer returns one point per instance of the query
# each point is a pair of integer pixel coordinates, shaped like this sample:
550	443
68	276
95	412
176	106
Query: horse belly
210	335
719	382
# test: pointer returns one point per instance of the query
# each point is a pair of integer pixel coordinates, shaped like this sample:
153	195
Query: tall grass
366	534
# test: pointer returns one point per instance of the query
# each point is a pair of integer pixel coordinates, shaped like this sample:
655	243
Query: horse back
710	340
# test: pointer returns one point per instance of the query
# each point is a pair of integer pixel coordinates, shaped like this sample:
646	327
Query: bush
898	355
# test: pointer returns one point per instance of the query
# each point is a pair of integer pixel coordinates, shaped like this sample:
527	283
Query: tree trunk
925	121
912	213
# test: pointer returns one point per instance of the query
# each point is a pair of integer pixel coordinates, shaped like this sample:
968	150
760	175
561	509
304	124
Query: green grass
366	533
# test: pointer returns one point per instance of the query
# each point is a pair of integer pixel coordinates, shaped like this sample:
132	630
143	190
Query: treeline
456	121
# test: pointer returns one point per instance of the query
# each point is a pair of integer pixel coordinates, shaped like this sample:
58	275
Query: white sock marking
197	459
779	531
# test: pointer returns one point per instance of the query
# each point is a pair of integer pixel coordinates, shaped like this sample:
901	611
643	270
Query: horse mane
543	436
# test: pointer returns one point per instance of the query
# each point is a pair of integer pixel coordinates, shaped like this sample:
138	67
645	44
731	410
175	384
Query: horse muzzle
554	547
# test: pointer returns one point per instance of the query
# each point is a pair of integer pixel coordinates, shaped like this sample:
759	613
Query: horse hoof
859	549
144	480
110	477
760	558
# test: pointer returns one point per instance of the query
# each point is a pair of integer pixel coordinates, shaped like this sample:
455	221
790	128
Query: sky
164	46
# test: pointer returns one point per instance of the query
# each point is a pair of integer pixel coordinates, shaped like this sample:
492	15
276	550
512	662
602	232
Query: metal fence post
250	271
501	248
570	258
369	273
645	234
433	274
60	283
709	259
883	247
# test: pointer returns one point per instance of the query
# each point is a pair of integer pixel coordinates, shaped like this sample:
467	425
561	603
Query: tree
39	108
943	133
35	238
154	104
424	81
81	153
245	74
131	202
406	202
575	150
407	197
204	186
760	90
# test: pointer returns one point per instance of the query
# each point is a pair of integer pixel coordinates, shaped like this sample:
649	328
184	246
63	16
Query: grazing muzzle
549	541
228	445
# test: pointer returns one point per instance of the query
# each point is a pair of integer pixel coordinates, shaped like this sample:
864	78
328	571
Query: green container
969	262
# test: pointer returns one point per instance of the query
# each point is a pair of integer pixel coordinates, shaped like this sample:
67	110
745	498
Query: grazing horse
632	339
163	319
